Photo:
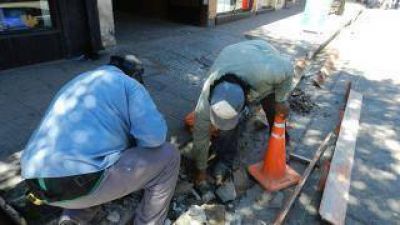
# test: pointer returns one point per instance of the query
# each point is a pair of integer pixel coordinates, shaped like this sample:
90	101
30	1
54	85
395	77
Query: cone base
290	178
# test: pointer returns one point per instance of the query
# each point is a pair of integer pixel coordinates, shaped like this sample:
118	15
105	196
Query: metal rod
288	205
300	158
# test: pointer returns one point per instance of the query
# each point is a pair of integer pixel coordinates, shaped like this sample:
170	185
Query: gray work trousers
226	143
154	170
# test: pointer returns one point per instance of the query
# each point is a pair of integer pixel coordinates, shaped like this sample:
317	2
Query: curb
311	54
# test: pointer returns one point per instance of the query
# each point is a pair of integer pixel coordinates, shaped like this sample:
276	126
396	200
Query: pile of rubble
300	102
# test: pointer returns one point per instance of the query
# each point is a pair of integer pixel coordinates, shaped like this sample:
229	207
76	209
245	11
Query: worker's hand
200	176
282	108
214	132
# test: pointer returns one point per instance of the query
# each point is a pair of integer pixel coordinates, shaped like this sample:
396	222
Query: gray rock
113	217
233	219
215	214
183	188
230	206
241	180
167	222
194	216
177	208
278	200
227	192
208	196
264	199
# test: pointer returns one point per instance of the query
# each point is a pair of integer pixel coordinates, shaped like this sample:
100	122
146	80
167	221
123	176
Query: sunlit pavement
370	56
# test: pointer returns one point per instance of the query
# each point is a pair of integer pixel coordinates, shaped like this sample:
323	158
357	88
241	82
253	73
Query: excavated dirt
300	102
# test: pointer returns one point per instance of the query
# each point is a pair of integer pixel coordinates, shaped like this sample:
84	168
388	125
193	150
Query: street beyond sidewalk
369	55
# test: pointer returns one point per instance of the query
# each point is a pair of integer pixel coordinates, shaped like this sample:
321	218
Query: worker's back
86	127
257	63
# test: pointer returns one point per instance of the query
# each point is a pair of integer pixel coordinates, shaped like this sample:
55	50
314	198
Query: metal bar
332	135
288	205
300	158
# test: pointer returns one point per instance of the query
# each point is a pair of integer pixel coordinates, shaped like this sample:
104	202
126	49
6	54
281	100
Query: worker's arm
147	125
282	92
201	137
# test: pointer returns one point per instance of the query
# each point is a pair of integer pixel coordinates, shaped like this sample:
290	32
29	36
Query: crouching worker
245	74
102	138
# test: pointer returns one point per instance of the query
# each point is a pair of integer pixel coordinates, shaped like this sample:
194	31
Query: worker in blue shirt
102	138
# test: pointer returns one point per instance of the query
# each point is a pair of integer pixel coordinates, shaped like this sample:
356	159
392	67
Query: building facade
33	31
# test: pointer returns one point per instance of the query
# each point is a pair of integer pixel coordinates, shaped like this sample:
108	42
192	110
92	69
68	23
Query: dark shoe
205	190
220	172
78	216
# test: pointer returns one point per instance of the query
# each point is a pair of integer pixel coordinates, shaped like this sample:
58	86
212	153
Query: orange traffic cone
273	174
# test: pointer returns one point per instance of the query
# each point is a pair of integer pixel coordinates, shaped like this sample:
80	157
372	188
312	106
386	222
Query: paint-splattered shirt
90	122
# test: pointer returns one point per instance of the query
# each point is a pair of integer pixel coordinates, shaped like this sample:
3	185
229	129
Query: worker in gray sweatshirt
243	75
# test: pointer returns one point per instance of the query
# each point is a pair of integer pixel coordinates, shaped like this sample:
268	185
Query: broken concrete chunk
183	188
264	199
194	216
227	192
241	180
208	196
215	214
233	219
177	208
167	222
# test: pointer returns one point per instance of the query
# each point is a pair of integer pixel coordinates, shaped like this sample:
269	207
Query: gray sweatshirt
256	63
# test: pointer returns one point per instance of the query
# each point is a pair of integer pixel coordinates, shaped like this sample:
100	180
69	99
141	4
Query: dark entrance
181	11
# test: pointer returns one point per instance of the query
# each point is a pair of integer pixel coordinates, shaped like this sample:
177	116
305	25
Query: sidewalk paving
289	37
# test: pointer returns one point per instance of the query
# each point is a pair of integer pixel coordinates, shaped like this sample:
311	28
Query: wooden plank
334	200
280	218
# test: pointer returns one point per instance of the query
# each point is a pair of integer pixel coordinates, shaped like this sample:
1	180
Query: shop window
20	15
263	4
224	6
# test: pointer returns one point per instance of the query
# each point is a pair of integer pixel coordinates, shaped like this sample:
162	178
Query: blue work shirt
90	122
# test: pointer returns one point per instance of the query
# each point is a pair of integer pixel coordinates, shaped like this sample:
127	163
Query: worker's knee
172	154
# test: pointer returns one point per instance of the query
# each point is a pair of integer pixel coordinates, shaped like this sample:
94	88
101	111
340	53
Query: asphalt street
369	55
